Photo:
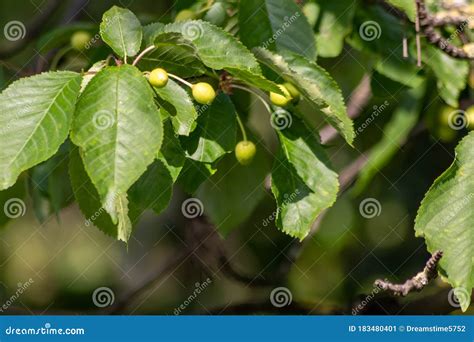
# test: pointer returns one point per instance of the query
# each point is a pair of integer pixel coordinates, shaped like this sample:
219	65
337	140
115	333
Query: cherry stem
180	80
143	53
242	128
260	97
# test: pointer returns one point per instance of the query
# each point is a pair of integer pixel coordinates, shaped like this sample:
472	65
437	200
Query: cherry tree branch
416	283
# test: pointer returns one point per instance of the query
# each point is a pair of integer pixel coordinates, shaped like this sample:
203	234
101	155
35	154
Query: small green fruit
216	14
245	152
311	11
80	39
281	100
470	117
295	94
158	78
203	93
184	15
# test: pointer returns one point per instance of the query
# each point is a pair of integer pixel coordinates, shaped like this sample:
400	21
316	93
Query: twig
417	283
433	37
417	37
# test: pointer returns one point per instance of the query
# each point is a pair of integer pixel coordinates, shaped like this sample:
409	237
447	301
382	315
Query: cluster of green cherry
203	93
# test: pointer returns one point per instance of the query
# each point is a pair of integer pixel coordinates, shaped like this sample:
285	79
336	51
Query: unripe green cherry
158	78
80	39
294	92
184	15
281	100
245	152
203	93
470	117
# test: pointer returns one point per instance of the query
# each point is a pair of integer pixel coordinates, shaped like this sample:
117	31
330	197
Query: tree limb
416	283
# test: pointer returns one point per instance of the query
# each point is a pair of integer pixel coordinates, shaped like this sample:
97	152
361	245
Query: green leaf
119	130
153	190
276	25
171	153
87	196
150	32
407	6
95	68
175	54
315	84
451	74
396	132
256	80
216	48
35	117
302	181
177	103
234	191
445	219
215	134
49	185
335	23
121	30
194	174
